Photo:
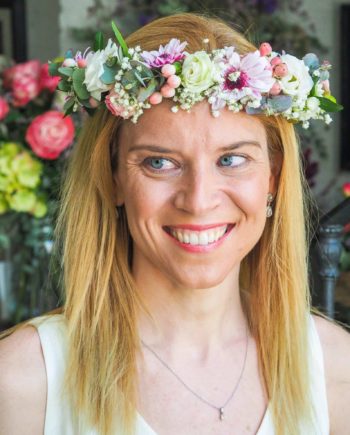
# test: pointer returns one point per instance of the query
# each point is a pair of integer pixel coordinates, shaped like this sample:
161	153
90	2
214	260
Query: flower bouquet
35	140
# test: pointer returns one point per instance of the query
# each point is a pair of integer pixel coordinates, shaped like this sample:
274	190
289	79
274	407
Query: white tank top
59	418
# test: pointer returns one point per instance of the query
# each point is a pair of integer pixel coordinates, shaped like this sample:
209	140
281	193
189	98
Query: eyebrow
159	149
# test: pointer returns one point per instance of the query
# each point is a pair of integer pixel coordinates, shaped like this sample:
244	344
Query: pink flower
117	109
24	89
26	69
47	81
346	189
4	108
171	53
251	71
49	134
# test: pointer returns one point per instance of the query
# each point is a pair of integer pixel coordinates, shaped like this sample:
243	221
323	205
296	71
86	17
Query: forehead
159	125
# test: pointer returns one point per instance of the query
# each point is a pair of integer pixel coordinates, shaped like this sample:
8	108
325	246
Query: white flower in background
313	104
297	82
94	69
198	72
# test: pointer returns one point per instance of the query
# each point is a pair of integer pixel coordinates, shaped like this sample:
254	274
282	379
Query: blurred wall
43	29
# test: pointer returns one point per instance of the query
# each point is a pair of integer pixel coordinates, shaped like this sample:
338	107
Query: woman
187	307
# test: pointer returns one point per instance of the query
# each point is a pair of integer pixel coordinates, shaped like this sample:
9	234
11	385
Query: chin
201	280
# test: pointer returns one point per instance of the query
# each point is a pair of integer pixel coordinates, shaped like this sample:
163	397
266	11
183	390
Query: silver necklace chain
221	408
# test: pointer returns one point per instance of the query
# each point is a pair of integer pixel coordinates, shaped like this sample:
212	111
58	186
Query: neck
200	321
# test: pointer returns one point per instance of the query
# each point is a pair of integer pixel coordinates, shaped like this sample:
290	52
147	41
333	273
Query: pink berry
280	70
325	86
93	103
276	61
155	98
167	91
276	89
265	49
168	70
82	63
173	81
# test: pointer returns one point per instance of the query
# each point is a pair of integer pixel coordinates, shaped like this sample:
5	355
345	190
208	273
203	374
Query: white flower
313	104
198	72
94	69
298	81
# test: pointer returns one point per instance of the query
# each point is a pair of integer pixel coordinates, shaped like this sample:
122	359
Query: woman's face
195	191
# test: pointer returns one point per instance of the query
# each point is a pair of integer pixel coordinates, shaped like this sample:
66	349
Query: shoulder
23	383
335	342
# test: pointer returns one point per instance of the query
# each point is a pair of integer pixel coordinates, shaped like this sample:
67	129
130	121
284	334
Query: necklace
221	408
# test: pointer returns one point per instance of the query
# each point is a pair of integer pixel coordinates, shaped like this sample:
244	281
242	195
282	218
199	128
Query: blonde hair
101	296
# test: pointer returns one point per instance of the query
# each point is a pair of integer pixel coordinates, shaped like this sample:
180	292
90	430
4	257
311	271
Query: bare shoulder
23	383
335	341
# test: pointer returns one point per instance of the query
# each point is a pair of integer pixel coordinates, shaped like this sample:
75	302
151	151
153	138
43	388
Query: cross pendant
221	410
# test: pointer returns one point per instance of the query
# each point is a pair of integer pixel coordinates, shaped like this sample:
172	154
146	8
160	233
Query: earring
269	208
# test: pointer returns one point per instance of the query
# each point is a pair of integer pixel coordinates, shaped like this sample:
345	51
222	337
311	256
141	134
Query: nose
198	193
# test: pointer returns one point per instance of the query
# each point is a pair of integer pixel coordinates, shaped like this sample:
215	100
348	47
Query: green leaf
65	71
328	105
109	73
99	42
69	105
120	40
53	69
144	93
64	86
79	85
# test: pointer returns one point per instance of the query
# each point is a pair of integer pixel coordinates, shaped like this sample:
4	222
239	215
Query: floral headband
129	80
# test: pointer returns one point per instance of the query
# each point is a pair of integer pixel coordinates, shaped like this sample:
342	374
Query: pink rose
24	89
49	134
112	105
4	108
346	189
47	81
27	69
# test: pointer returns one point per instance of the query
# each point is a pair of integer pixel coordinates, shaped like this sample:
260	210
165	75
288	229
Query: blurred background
35	31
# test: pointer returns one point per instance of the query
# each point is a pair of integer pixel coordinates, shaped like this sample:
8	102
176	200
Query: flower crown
129	80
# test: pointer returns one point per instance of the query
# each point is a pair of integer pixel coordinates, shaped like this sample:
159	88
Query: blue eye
158	163
232	160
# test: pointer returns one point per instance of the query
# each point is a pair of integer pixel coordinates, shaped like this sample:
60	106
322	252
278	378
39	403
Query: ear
118	190
276	166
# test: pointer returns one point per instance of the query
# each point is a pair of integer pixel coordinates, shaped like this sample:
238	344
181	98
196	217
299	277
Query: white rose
94	69
198	72
298	81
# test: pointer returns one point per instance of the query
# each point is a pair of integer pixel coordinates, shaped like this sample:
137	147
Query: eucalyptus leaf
120	40
79	85
280	103
329	106
311	61
66	71
129	80
99	42
109	73
144	93
64	86
253	110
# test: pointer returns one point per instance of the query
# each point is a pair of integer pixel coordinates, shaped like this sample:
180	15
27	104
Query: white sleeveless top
59	418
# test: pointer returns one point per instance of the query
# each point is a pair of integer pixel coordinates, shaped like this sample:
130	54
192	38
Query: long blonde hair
100	294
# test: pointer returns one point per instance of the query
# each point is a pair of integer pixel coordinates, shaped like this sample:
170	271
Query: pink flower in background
49	134
27	69
346	189
4	108
24	89
47	81
172	52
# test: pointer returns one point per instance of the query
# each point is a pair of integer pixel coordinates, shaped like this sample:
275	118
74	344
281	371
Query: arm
23	384
335	343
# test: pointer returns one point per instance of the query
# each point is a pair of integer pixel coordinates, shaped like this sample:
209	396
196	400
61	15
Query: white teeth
199	237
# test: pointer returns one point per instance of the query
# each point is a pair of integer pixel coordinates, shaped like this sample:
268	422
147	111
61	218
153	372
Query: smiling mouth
199	238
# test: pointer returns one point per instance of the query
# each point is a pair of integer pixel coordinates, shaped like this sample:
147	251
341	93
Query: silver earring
269	208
